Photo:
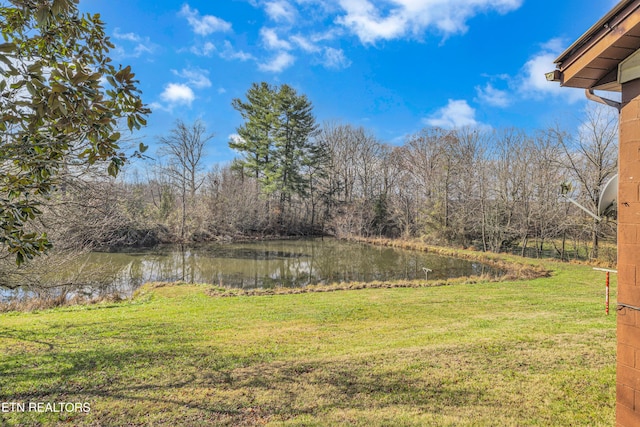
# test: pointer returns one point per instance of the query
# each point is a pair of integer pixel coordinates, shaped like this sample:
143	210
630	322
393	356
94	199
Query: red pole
607	296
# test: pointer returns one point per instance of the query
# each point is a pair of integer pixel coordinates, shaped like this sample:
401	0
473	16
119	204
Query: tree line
494	190
65	106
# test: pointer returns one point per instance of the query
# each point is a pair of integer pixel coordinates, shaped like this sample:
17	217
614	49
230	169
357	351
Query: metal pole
591	214
606	299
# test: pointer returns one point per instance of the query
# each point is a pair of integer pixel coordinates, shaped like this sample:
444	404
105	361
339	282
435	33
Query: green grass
515	353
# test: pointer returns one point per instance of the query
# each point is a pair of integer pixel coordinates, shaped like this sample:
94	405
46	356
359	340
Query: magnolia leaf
112	169
43	16
7	47
63	108
57	88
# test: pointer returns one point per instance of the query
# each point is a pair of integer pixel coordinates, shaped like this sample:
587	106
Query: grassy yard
515	353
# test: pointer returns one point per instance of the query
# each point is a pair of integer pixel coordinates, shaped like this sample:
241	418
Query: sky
390	66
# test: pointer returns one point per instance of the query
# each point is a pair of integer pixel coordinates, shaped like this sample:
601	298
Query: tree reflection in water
267	264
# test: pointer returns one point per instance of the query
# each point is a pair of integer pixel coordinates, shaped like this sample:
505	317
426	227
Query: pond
267	264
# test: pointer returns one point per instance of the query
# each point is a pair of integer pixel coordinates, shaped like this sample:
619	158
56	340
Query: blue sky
391	66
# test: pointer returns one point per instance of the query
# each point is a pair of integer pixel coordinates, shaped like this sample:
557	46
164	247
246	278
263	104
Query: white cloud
494	97
456	114
196	77
204	25
304	43
226	51
230	53
533	83
365	21
207	49
280	10
301	28
154	106
235	138
283	59
371	22
335	59
279	63
141	49
272	41
132	37
327	35
132	45
178	94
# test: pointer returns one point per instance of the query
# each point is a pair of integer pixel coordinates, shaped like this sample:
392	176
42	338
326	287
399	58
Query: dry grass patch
345	286
62	300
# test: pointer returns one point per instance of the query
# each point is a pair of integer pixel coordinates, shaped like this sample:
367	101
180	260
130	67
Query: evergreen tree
256	135
276	139
294	147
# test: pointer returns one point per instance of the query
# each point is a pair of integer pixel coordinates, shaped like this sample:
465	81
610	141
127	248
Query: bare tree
184	148
429	158
468	150
548	214
592	158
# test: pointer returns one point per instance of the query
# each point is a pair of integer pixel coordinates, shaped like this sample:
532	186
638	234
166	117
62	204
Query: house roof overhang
592	61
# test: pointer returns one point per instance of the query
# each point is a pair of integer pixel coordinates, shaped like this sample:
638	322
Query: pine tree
256	135
293	144
276	139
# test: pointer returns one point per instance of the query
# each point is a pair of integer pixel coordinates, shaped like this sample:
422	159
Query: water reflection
267	264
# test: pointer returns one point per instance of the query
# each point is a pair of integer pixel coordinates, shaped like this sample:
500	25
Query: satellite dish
608	205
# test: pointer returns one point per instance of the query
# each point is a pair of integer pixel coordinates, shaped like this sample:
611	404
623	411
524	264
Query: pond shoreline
516	269
527	268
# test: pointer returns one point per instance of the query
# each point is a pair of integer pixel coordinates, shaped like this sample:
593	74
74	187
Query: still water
266	264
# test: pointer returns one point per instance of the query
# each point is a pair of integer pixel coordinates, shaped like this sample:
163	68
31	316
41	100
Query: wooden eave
592	61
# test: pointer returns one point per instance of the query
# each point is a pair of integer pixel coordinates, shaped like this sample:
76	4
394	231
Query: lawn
512	353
